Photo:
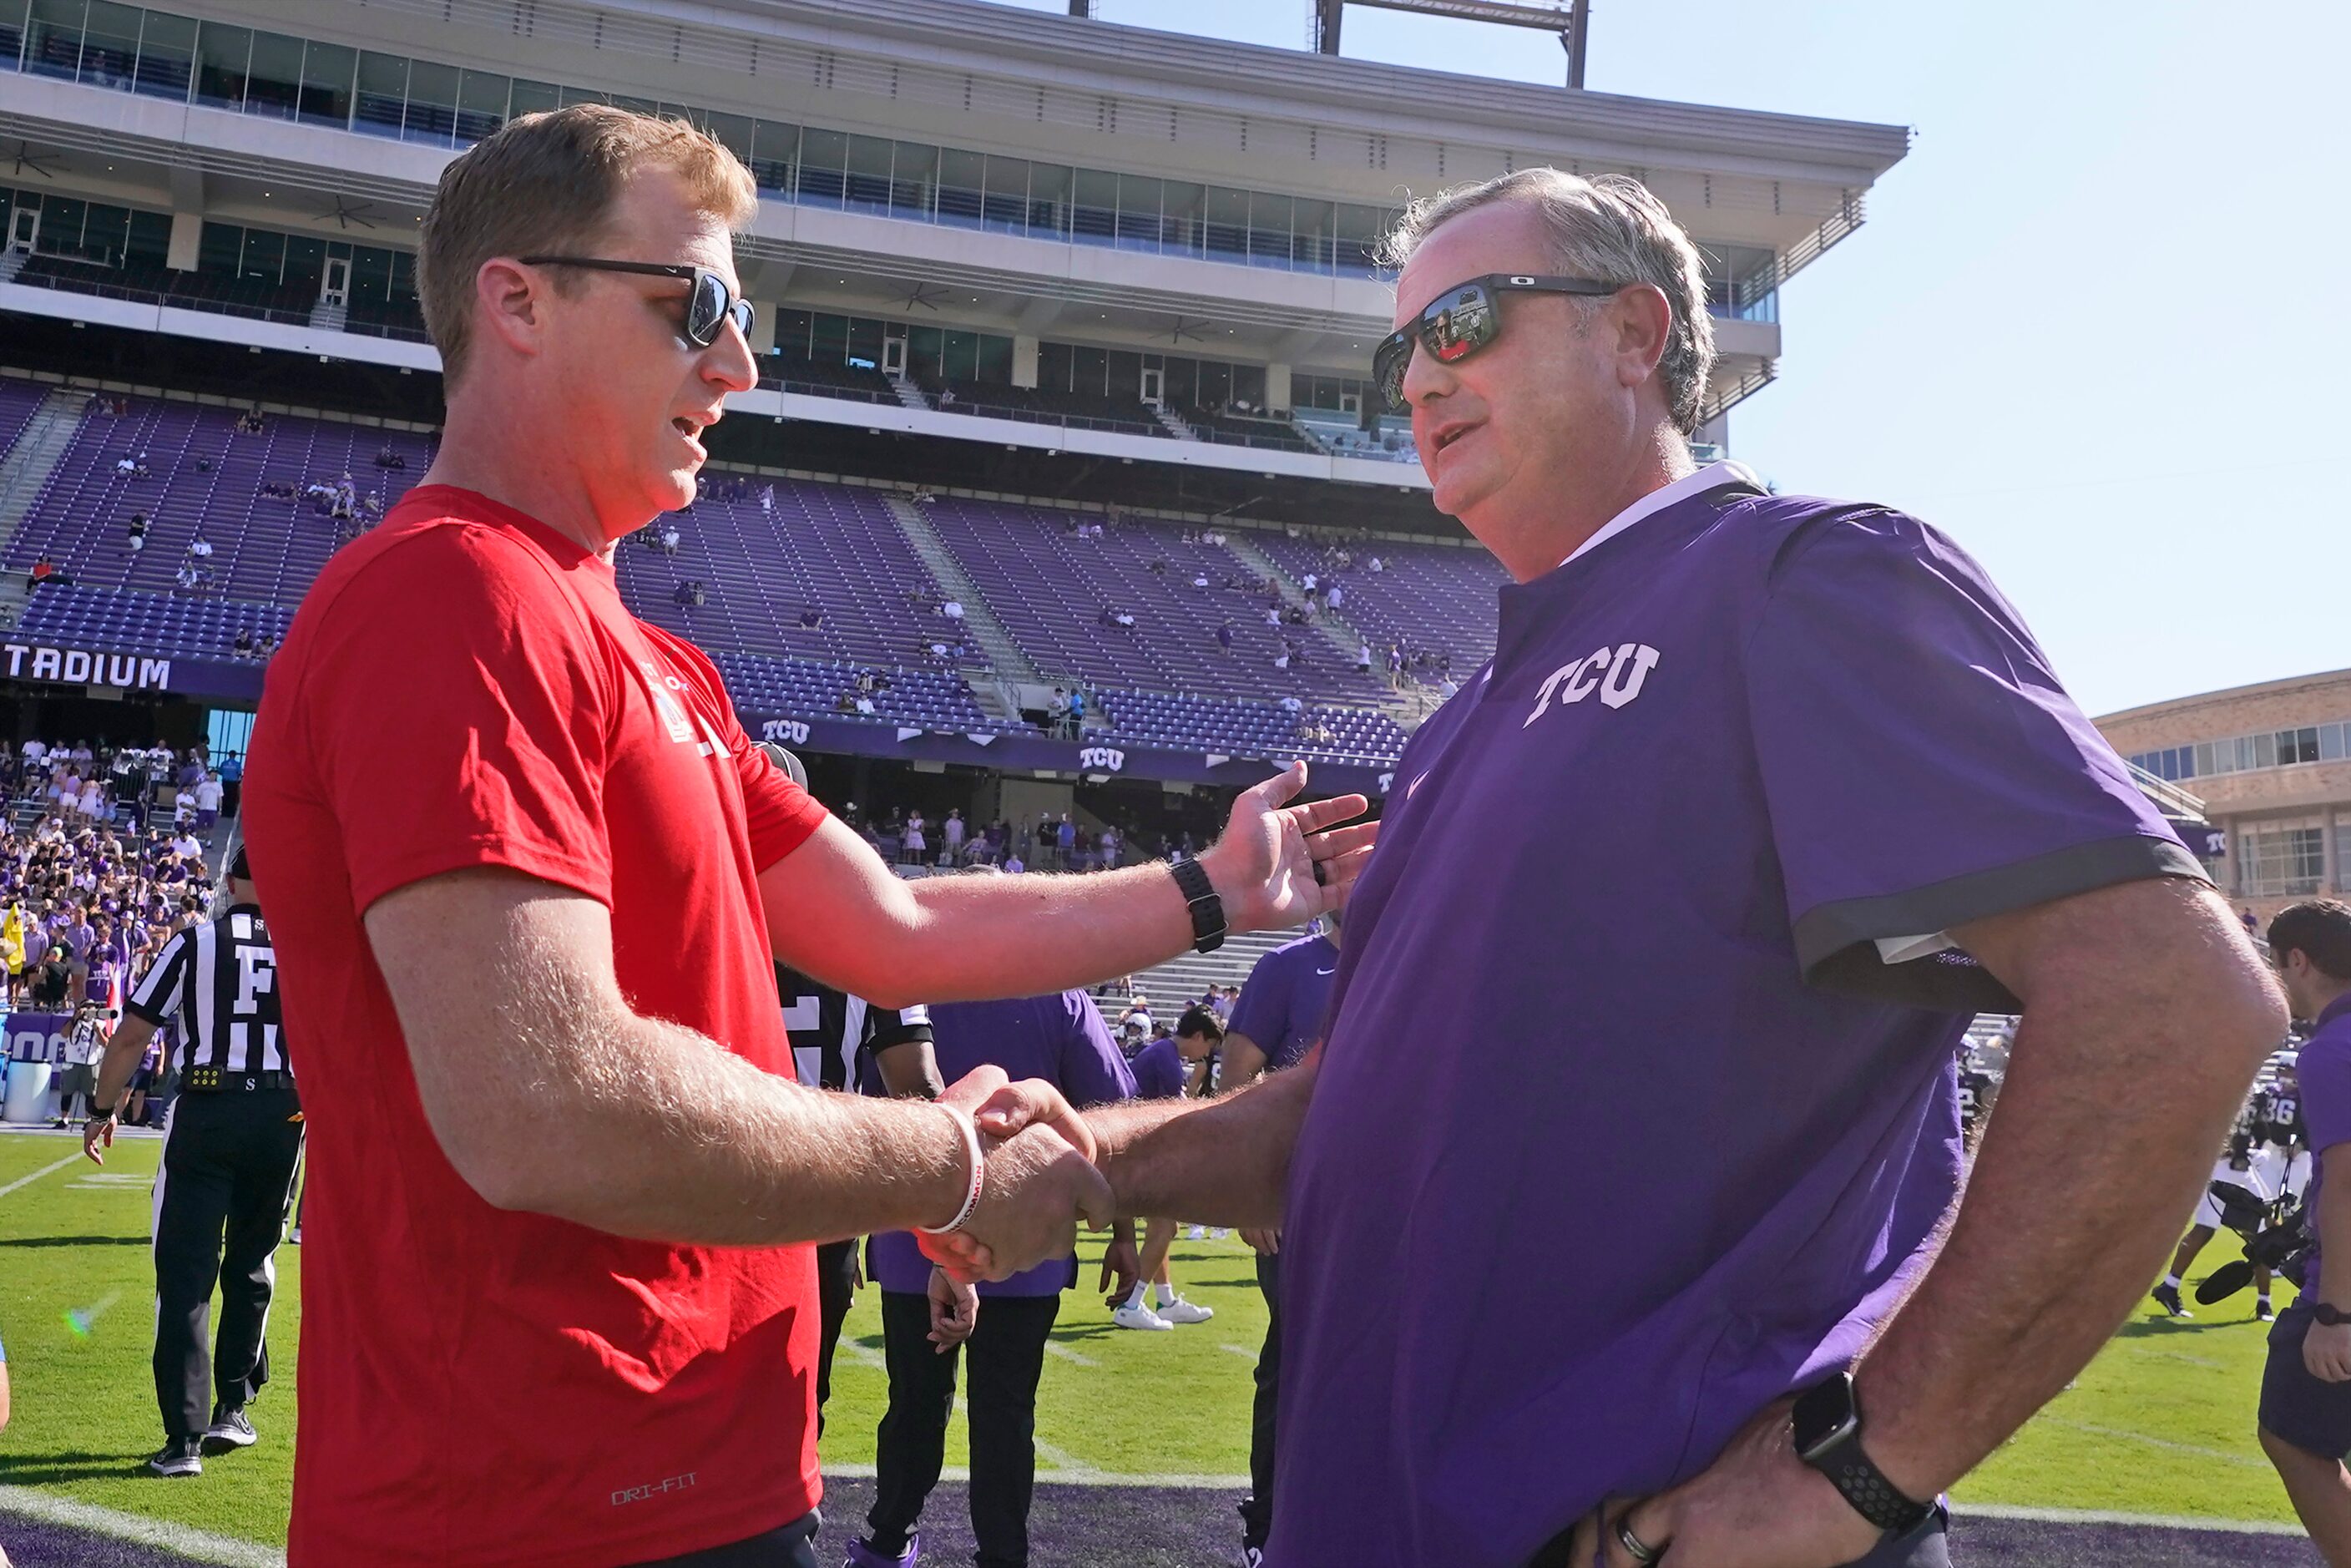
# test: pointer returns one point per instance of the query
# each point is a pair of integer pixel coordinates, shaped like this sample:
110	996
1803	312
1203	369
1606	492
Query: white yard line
45	1170
1055	1347
2124	1433
1244	1352
28	1502
2150	1520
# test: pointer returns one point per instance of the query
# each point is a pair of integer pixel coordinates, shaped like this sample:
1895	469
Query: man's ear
510	302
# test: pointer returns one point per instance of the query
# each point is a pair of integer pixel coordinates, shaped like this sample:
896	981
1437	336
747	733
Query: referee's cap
793	767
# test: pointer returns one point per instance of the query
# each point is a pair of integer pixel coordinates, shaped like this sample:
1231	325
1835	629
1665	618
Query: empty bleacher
1432	598
1050	589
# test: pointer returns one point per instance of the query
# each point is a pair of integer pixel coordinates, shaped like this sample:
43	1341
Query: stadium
1064	509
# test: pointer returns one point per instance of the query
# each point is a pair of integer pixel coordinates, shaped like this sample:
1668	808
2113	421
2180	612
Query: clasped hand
1039	1180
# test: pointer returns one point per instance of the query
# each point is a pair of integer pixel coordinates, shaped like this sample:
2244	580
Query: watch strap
1207	909
1865	1486
2329	1314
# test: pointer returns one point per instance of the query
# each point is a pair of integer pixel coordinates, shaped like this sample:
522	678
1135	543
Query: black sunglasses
706	308
1460	321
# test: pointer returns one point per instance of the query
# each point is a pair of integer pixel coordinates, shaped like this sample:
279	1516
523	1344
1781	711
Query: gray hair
1610	227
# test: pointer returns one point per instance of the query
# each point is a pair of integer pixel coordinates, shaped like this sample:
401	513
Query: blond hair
546	184
1610	227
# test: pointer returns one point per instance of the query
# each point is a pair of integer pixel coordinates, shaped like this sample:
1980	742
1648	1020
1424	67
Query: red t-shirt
462	687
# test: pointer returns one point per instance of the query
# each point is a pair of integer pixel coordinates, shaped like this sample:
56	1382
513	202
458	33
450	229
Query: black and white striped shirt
221	981
829	1029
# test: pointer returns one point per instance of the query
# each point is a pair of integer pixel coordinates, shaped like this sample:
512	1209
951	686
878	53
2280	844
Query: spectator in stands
42	569
1058	709
951	833
1336	597
1225	639
389	456
138	532
1078	702
199	546
1291	706
812	620
669	538
242	644
1376	565
126	465
952	609
1281	658
1363	659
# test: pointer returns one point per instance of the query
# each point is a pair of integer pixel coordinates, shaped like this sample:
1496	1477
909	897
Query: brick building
2272	765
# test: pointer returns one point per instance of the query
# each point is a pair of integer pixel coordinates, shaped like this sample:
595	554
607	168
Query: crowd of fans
97	872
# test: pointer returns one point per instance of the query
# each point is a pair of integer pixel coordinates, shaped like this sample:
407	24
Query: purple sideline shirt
1646	853
1287	1002
1059	1038
1160	1070
2321	1069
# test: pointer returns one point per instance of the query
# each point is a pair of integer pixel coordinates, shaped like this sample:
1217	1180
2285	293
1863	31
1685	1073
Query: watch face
1824	1417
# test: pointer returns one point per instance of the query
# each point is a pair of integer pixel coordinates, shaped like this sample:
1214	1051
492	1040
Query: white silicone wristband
970	1130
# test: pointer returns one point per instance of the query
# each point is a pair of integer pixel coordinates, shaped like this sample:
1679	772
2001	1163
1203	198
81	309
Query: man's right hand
1038	1182
97	1137
1264	1243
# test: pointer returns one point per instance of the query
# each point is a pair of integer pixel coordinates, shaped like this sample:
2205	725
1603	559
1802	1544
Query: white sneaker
1180	1310
1219	1233
1198	1233
1131	1316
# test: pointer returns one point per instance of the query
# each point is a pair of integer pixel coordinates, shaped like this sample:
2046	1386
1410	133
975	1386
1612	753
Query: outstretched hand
1280	865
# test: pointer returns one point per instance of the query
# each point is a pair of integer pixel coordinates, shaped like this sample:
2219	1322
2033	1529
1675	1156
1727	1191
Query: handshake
1036	1180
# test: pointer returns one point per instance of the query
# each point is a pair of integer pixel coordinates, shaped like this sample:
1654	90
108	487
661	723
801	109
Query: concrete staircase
1177	983
327	318
12	262
910	395
1334	629
1174	424
1006	660
24	473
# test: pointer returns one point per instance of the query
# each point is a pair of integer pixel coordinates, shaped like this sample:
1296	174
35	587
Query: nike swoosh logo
1326	971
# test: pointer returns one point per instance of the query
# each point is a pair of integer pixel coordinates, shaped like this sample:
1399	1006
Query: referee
832	1034
230	1146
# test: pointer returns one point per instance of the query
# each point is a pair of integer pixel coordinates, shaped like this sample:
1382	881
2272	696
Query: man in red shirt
560	1302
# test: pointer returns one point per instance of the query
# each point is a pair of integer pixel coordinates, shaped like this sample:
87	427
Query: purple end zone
1184	1526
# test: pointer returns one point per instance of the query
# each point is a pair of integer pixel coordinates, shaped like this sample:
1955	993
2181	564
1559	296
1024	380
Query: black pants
1008	1356
791	1545
220	1209
836	1287
1257	1508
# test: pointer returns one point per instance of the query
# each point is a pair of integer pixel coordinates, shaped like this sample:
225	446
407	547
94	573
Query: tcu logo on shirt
790	729
1617	674
1387	780
1100	760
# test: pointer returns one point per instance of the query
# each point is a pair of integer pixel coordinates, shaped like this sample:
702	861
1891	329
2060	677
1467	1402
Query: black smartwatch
1208	910
2329	1315
1828	1438
105	1115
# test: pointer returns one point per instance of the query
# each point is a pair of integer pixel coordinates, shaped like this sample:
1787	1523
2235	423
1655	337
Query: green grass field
2162	1423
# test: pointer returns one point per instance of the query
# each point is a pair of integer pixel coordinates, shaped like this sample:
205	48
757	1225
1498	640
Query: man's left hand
954	1311
1757	1506
1280	865
2326	1352
1121	1268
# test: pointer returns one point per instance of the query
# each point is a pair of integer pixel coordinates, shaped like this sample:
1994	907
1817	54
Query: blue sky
2096	326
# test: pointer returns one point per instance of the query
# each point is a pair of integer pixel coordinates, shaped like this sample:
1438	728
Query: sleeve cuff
1837	942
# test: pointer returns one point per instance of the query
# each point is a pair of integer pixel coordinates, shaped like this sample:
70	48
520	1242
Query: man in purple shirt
1280	1017
2306	1386
1062	1041
1750	781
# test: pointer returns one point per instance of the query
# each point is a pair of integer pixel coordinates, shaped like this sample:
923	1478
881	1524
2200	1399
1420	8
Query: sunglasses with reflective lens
707	307
1460	321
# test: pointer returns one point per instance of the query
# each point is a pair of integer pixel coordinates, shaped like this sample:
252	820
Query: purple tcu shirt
1287	1001
1648	853
2323	1070
1160	1070
1060	1039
